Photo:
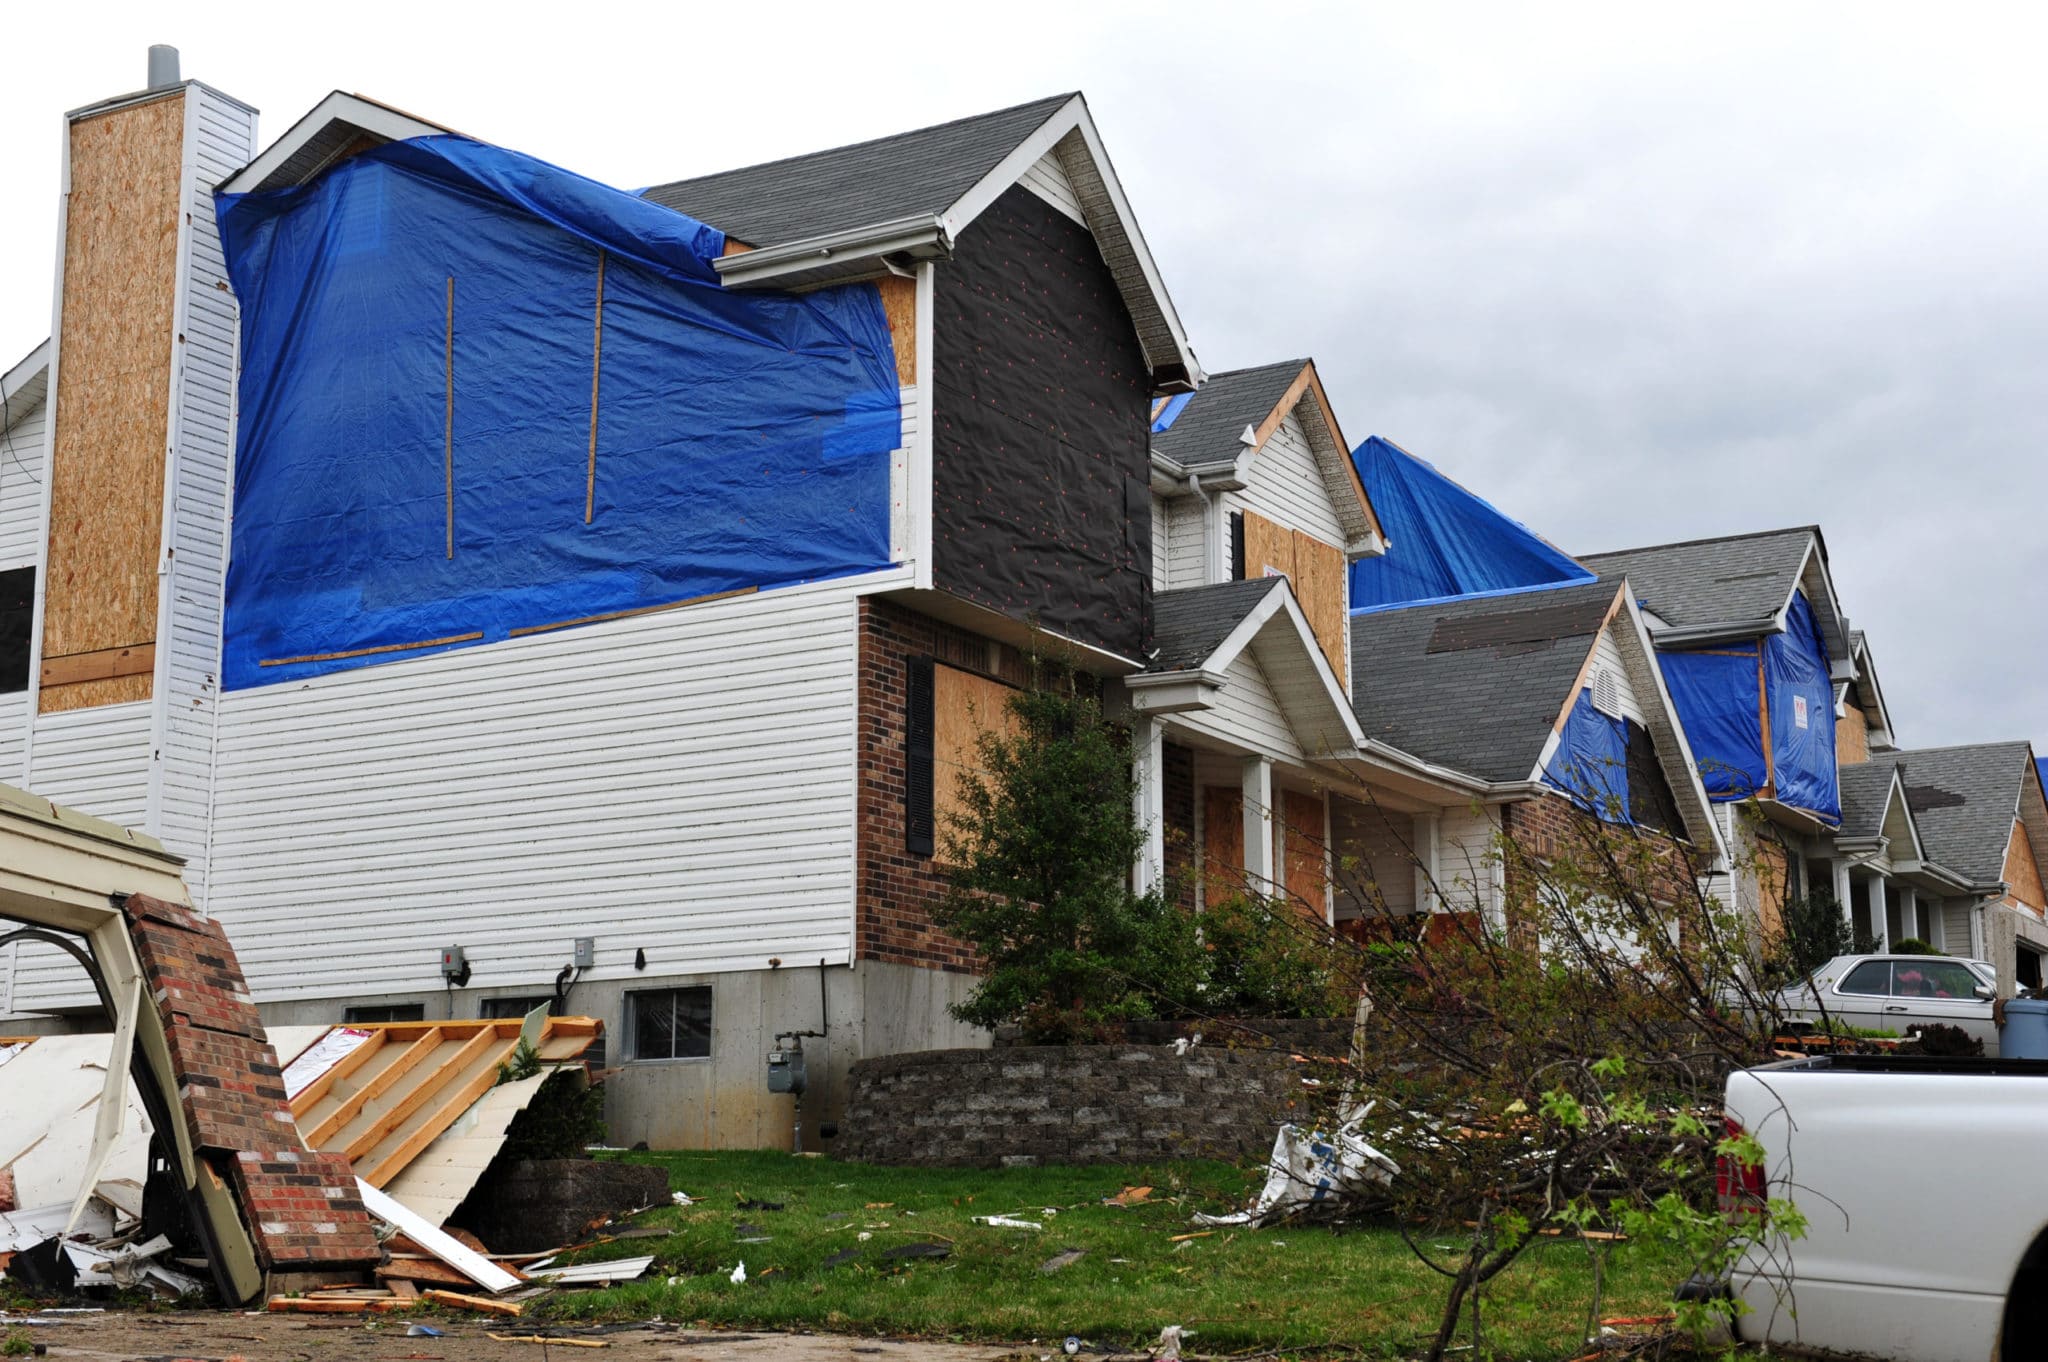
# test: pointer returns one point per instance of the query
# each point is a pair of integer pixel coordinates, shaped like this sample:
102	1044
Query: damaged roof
1964	801
1736	579
1866	789
1188	626
909	173
1475	685
1206	430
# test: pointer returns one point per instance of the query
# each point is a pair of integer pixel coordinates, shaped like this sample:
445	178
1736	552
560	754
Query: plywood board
435	1183
899	304
1319	582
965	705
1222	841
113	383
1268	548
1302	841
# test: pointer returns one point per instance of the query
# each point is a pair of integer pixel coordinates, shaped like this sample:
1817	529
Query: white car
1898	993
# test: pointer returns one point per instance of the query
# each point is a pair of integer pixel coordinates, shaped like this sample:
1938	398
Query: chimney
163	66
137	456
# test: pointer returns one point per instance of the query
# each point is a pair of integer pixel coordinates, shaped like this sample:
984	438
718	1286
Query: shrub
1266	959
565	1116
1912	945
1815	931
1945	1041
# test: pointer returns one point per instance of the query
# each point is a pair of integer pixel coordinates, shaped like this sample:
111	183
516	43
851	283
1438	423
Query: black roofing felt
1189	625
1734	580
1486	705
1209	425
1963	800
925	171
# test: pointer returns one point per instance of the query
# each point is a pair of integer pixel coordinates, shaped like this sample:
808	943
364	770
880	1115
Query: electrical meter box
786	1071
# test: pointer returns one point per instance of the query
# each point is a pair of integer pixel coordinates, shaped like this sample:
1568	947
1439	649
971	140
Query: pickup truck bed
1926	1191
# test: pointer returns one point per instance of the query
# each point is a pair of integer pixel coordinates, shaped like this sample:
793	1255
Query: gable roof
1188	626
1443	541
1475	685
25	385
883	180
1964	800
1223	427
1870	791
1735	580
868	209
339	125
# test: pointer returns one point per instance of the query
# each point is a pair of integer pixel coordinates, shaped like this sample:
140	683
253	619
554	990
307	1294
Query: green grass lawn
1292	1287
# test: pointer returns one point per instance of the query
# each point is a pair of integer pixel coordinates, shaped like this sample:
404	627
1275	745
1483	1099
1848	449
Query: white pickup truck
1926	1199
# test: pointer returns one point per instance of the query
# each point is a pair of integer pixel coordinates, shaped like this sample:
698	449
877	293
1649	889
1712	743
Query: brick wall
895	889
1551	824
1069	1104
302	1208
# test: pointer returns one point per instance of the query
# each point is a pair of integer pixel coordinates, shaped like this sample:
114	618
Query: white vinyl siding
220	138
1047	178
1186	544
1607	654
1287	485
21	520
680	782
1468	868
1245	712
1162	517
95	761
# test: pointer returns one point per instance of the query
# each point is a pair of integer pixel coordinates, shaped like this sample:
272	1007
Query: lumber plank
435	1240
447	1114
484	1304
306	1305
310	1096
422	1093
328	1126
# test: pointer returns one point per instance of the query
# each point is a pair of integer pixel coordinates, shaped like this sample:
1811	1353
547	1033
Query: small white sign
1272	571
1799	711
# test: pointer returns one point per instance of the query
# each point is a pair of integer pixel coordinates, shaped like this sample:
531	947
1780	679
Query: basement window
385	1012
670	1023
512	1009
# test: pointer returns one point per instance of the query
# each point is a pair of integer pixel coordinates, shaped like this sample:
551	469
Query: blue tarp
743	439
1442	541
1716	691
1590	763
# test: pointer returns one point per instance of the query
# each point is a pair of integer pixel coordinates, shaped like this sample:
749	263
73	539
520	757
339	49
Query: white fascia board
366	114
922	235
1071	117
35	364
1173	692
1279	601
1841	666
1898	794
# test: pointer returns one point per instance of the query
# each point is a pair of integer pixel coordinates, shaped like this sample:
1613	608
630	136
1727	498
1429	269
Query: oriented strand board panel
1268	548
2022	872
1852	737
113	385
899	303
1222	841
1319	583
965	705
1302	842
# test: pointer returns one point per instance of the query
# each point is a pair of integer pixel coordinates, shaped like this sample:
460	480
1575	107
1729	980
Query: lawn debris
914	1251
597	1274
1064	1259
1311	1173
749	1204
1005	1222
1129	1196
545	1339
1167	1349
739	1274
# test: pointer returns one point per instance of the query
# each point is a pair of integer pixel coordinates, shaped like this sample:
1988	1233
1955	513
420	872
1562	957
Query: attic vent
1607	692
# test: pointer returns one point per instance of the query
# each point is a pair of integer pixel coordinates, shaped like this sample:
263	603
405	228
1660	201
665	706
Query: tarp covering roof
1442	541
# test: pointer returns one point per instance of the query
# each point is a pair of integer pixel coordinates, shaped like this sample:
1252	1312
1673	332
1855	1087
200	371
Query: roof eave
834	257
379	120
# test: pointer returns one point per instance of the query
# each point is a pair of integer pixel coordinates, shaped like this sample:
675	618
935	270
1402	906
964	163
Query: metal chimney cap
163	66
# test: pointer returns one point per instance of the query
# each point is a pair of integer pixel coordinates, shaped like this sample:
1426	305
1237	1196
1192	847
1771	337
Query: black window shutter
917	758
17	619
1237	546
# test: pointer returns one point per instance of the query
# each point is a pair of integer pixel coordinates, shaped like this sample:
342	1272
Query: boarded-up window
965	705
1302	841
1315	569
1222	842
2022	871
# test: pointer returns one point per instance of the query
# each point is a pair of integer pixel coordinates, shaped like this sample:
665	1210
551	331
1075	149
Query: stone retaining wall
1068	1104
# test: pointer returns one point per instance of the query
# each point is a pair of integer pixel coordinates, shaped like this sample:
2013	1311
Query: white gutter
923	233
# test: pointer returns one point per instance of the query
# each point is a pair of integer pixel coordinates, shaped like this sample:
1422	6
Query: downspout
1212	532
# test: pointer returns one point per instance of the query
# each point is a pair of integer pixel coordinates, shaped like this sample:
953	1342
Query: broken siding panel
223	139
1187	544
1287	485
1246	713
680	782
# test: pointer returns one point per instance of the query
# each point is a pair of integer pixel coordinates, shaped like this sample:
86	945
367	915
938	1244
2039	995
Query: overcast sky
1632	276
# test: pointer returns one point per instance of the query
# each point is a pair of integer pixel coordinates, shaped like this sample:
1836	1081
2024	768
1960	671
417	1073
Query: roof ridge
1694	543
1899	753
1049	100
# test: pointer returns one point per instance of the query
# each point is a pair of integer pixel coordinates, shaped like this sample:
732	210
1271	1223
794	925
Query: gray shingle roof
1189	625
1474	685
925	171
1209	425
1733	580
1964	800
1866	788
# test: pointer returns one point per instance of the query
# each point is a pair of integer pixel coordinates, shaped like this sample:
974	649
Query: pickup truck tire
2026	1303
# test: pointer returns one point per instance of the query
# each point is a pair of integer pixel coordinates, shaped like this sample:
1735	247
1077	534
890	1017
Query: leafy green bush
1815	931
565	1116
1912	945
1265	959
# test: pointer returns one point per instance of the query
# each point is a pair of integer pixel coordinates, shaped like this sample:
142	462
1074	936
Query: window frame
349	1015
1884	992
634	1000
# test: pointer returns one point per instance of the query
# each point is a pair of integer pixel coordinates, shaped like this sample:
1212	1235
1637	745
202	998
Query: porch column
1845	896
1909	914
1425	862
1880	916
1148	802
1257	783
